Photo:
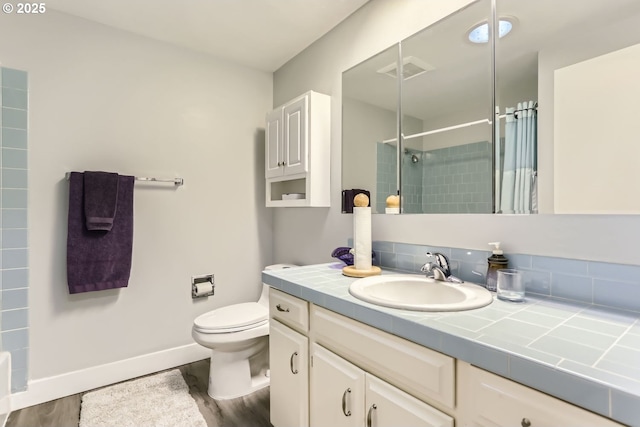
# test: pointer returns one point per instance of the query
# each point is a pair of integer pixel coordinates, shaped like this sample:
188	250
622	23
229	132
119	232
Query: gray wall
103	99
309	235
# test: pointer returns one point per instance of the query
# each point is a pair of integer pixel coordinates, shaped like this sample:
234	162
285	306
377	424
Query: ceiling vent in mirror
411	67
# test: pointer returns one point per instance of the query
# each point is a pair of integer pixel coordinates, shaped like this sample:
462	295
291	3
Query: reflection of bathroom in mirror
370	125
446	117
568	56
576	59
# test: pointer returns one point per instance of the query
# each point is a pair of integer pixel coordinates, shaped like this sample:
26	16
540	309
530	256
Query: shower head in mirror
414	158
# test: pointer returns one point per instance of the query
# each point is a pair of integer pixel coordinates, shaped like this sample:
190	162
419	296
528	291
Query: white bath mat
160	400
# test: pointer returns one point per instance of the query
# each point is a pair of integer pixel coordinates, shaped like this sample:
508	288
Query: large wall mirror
370	124
557	133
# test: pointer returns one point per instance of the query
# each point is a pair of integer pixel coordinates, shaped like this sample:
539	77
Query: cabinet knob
525	422
370	414
279	308
284	163
293	370
345	411
279	163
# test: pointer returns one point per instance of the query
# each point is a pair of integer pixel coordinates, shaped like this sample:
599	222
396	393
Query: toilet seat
232	318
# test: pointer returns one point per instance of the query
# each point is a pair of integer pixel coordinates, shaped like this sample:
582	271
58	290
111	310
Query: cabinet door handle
525	422
279	163
293	370
279	308
345	411
369	414
284	163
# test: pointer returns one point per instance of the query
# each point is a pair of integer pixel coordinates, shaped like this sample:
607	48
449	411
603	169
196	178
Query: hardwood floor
247	411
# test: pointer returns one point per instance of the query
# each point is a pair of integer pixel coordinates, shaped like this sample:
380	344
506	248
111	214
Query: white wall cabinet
297	151
488	400
287	139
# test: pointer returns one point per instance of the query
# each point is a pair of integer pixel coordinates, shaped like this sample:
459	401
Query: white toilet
238	336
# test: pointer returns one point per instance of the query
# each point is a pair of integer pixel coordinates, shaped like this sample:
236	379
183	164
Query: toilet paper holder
202	286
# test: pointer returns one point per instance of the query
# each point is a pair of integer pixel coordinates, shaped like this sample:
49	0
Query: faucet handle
441	261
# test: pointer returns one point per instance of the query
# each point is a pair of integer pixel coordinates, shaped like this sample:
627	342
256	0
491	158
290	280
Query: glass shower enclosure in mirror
446	102
417	119
369	124
579	60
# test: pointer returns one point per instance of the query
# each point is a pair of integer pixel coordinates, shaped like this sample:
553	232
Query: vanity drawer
486	399
289	310
424	373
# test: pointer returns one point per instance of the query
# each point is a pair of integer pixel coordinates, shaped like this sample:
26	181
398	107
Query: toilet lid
233	317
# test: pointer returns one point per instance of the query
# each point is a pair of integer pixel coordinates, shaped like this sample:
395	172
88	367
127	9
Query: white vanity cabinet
343	395
297	151
288	360
330	370
488	400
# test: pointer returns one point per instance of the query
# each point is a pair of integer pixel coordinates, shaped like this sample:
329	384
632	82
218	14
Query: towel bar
176	181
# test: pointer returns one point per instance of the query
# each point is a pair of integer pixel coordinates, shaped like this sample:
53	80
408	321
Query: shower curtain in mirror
516	191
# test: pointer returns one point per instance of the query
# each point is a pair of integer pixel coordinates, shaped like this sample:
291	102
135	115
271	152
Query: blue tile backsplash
14	259
591	282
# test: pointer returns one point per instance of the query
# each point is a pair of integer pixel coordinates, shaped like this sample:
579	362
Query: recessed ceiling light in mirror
480	32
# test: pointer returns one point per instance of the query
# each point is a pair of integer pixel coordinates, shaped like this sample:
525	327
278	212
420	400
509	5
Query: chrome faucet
439	269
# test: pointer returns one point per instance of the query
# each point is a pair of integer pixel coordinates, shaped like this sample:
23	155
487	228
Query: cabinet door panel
295	137
289	360
389	406
273	150
337	390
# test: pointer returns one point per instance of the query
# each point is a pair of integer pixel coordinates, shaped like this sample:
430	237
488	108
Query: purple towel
100	199
99	260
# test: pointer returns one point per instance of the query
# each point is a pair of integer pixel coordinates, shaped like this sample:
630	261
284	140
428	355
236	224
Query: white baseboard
50	388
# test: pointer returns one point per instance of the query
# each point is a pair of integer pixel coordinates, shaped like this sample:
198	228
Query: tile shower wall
14	262
591	282
457	179
412	193
448	180
386	166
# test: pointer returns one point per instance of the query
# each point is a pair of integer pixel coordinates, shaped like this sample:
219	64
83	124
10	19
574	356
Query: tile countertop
581	353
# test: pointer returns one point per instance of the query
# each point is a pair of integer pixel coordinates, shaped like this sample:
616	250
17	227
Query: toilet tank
279	266
264	297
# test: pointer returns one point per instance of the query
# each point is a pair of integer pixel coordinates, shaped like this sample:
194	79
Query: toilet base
231	375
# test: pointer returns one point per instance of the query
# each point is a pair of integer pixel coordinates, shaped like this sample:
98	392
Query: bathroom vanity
339	361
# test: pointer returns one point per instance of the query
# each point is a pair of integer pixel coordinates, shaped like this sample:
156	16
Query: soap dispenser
496	261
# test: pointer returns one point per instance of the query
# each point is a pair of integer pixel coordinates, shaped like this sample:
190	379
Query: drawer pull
369	414
293	370
525	422
345	411
279	308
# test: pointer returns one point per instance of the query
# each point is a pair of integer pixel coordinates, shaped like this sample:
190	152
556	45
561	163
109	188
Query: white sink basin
415	292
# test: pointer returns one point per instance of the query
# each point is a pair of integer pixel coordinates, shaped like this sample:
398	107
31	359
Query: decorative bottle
496	262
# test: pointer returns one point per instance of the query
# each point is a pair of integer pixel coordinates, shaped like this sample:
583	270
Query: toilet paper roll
202	289
362	238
